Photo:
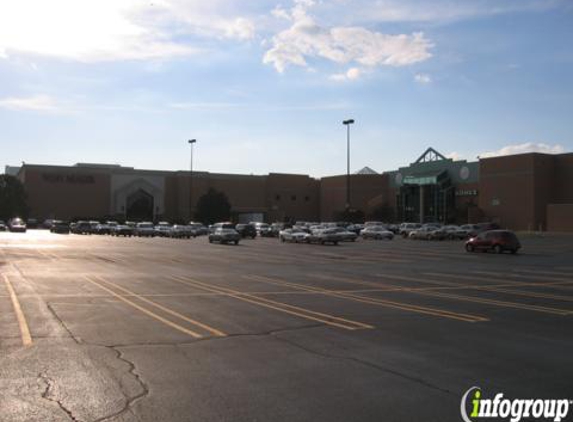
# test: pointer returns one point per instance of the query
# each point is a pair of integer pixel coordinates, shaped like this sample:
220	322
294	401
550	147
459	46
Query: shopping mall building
523	192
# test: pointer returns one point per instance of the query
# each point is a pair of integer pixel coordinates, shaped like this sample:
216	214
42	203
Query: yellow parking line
516	283
165	309
375	301
147	311
507	304
279	306
24	330
530	277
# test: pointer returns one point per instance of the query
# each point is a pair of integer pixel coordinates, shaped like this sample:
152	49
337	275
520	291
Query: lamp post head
192	141
348	122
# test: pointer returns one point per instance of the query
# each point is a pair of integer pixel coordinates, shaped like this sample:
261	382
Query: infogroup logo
513	409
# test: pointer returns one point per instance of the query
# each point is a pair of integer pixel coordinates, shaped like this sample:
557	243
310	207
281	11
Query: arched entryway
139	206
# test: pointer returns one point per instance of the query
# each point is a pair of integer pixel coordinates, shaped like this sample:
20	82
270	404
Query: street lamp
191	143
347	123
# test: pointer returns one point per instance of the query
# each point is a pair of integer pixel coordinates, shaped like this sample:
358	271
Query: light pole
191	143
347	123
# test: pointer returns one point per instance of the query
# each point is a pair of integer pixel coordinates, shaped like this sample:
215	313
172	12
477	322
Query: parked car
407	228
124	230
2	226
105	228
451	231
246	230
180	231
498	241
221	225
376	232
277	227
293	235
345	235
263	229
84	227
225	235
144	229
17	225
466	231
355	228
32	223
429	231
60	227
163	229
324	236
198	229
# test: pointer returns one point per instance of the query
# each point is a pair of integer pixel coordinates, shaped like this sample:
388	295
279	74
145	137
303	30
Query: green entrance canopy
427	178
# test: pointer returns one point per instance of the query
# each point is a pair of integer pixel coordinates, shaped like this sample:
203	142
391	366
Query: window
293	198
307	198
277	197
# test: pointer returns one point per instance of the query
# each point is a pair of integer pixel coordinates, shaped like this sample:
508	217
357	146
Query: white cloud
351	74
307	39
423	78
107	30
525	148
38	103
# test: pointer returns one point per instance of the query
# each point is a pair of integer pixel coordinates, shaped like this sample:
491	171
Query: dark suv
246	230
498	241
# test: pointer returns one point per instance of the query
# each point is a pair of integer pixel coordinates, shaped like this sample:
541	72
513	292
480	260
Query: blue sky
264	86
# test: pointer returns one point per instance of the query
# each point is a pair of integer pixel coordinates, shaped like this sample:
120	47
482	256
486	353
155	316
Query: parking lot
97	328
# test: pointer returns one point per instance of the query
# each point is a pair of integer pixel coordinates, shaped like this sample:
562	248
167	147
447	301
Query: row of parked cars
436	231
480	237
129	229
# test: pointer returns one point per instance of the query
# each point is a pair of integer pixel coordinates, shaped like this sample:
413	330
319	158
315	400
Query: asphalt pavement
97	328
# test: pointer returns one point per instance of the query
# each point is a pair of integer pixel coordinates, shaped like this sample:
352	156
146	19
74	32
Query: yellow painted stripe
147	311
24	330
529	276
165	309
378	301
558	284
279	306
507	304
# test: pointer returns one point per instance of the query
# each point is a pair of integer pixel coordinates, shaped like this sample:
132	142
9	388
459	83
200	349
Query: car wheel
497	249
470	248
282	239
210	240
236	242
335	243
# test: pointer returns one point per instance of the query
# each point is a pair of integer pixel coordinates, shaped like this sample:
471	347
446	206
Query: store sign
82	179
467	192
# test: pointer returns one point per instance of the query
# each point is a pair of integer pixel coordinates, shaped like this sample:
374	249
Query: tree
212	207
13	202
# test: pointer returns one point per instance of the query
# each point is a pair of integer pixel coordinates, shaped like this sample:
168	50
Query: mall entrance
139	206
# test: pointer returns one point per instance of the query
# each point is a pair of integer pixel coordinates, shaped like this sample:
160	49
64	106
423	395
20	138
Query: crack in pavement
370	365
130	401
47	396
206	339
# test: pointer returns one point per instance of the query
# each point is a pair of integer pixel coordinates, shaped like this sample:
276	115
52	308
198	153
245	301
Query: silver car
223	235
293	235
376	232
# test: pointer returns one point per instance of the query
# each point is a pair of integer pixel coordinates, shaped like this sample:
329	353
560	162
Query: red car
498	241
